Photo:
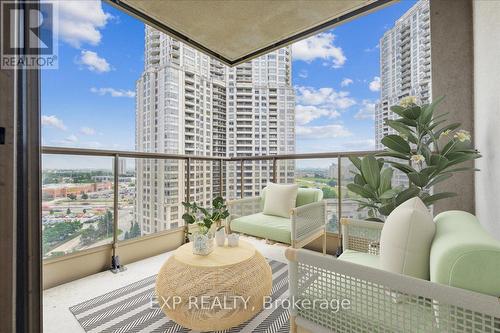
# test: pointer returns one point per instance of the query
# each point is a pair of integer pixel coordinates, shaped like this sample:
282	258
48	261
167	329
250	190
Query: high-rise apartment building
405	65
188	103
261	121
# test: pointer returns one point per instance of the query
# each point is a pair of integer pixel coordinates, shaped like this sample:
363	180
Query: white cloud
71	139
371	49
113	92
363	144
304	114
322	132
375	84
324	96
346	81
53	121
319	47
80	21
87	131
94	62
303	74
367	110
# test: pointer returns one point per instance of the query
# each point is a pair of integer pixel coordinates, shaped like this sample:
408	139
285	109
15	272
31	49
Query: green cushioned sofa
461	295
307	220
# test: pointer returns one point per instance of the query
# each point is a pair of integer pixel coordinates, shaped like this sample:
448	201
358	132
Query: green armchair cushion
264	226
308	195
361	258
304	196
464	255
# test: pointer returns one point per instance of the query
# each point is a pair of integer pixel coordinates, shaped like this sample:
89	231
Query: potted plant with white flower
426	148
205	220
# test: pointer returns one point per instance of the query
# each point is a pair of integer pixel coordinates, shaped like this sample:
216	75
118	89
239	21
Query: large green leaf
359	190
397	110
389	194
412	113
428	110
371	171
356	161
449	127
402	167
396	143
407	194
464	157
428	171
435	124
439	161
448	148
438	196
438	179
385	180
418	178
402	129
364	204
358	179
394	154
409	122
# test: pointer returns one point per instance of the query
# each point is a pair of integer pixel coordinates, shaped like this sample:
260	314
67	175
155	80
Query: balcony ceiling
239	30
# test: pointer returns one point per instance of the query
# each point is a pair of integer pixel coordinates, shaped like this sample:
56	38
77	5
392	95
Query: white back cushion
280	199
406	239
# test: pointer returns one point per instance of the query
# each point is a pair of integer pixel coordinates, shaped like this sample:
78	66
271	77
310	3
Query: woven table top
220	257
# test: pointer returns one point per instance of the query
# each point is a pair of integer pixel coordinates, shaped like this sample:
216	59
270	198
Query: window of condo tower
134	122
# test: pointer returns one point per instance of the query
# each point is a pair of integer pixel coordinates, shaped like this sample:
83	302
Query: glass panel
349	206
150	196
322	174
77	203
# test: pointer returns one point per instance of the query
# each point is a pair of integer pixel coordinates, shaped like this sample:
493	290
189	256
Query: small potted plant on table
205	219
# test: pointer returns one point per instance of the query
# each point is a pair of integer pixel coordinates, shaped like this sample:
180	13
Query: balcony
111	204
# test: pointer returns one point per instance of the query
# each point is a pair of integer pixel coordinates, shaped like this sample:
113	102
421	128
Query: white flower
408	101
417	158
445	133
462	135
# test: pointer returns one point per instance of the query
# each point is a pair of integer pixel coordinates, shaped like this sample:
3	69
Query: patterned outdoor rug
129	309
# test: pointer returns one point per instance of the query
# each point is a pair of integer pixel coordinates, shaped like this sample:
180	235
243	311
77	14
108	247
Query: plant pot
233	240
220	237
203	244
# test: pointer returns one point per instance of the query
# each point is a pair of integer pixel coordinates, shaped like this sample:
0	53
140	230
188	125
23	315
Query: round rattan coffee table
213	292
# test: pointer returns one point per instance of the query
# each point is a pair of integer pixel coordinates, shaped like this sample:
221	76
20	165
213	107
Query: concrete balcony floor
56	301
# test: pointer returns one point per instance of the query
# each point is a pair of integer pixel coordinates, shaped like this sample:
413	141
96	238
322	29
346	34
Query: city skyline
405	67
336	84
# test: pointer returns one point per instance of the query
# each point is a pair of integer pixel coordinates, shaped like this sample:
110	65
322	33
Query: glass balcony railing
103	197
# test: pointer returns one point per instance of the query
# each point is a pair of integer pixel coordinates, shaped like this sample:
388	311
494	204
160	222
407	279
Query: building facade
188	103
260	121
405	65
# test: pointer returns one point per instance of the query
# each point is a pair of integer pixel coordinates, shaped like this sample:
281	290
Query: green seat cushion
464	255
360	258
264	226
308	195
304	196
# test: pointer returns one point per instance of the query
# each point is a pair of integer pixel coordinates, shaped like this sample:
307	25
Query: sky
89	101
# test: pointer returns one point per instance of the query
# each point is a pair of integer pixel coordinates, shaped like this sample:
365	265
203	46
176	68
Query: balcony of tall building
251	122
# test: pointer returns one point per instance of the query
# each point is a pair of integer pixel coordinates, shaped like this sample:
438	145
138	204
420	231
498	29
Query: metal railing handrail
117	154
125	153
138	154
